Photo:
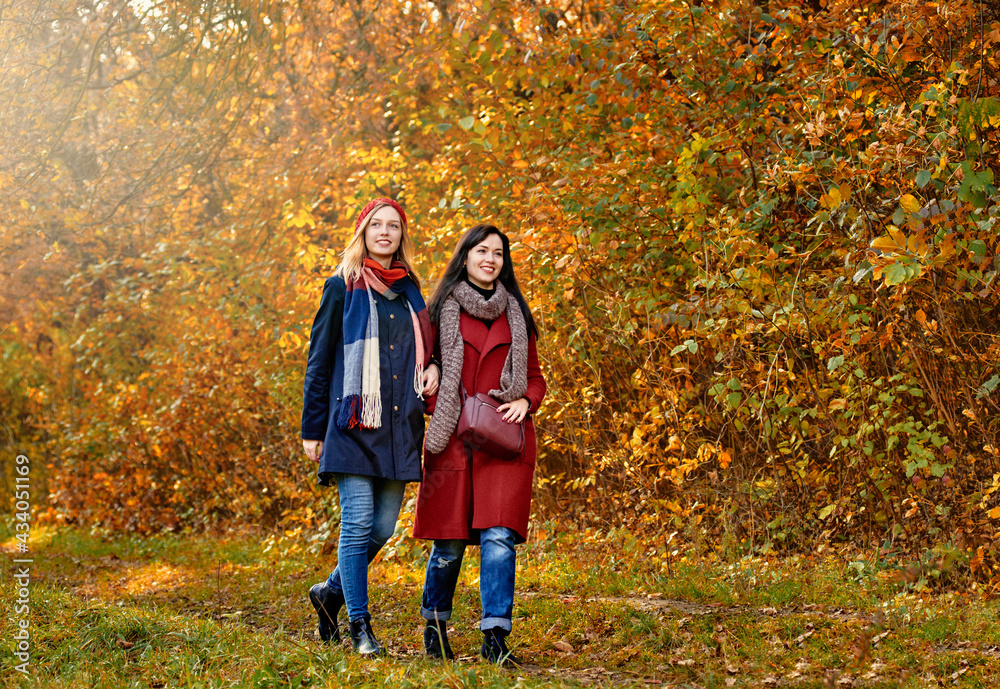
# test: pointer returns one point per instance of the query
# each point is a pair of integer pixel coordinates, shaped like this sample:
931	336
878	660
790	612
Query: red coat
460	494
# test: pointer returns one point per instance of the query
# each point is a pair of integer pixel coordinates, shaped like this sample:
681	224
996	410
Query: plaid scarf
362	402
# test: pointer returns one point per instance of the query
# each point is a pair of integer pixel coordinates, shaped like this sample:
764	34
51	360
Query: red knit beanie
369	210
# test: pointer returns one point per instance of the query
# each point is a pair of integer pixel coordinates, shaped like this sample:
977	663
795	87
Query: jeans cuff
494	622
435	615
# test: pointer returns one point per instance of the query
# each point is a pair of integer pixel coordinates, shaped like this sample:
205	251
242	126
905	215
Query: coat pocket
455	457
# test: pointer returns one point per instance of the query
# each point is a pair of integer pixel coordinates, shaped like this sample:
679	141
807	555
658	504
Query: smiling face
484	261
383	235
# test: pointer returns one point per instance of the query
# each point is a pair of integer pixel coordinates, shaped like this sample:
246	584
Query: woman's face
383	235
484	261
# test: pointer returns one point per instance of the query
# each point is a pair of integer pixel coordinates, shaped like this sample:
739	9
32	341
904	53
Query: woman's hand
313	448
516	410
432	377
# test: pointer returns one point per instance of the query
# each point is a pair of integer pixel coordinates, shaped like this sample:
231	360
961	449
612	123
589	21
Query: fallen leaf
802	637
862	649
563	645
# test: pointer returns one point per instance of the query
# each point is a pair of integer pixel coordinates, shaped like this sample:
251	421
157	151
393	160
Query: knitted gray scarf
513	378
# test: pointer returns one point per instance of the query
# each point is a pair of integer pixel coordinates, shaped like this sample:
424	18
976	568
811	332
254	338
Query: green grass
231	611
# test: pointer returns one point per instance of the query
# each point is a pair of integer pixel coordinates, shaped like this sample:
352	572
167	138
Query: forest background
760	240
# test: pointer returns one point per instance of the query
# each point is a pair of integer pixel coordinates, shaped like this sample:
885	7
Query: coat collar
499	334
484	338
474	331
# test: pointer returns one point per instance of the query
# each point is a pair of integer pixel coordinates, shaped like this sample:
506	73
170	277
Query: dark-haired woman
486	343
363	411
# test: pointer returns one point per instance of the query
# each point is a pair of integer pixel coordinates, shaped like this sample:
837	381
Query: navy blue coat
391	451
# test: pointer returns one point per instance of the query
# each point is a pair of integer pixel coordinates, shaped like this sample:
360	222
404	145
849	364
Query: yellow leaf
724	459
289	340
302	218
946	248
921	316
520	164
886	244
897	236
994	513
915	244
909	203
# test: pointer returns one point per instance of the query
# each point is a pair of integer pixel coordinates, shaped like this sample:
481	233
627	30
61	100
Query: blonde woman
368	372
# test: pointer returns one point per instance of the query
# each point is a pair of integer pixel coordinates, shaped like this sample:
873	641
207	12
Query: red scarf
389	276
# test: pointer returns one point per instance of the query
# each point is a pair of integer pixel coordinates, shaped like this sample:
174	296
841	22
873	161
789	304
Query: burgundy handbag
483	427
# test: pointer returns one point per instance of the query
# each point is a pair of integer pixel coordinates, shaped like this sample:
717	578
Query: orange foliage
760	242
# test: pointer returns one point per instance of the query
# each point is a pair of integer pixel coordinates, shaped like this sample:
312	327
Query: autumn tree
759	240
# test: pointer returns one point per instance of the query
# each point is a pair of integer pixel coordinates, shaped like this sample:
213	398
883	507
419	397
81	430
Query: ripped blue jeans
496	578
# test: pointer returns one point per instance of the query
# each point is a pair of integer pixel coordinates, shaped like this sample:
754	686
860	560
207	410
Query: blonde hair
353	258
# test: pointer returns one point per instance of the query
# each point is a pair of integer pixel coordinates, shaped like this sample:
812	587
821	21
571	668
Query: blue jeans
496	577
369	508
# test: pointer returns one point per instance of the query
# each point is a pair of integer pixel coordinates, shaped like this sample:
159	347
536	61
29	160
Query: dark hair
456	273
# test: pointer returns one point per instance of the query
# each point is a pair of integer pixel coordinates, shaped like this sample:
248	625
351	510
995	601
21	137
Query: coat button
395	377
395	408
392	347
392	315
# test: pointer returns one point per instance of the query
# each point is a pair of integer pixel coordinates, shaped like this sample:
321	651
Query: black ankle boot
495	648
436	640
363	638
328	605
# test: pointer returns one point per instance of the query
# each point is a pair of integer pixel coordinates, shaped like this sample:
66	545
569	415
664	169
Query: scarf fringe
371	411
418	380
418	370
347	418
